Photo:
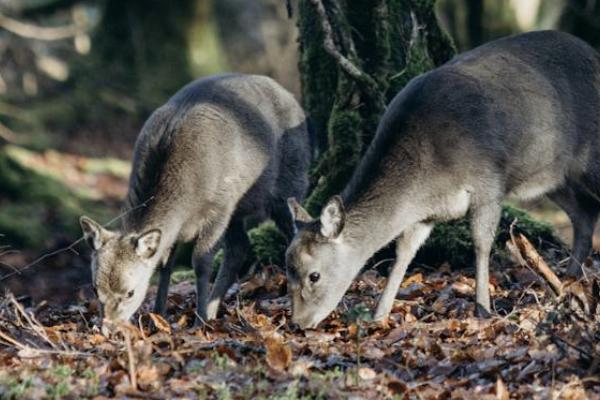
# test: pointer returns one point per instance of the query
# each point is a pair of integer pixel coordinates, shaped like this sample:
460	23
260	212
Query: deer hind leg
237	246
202	261
406	247
582	210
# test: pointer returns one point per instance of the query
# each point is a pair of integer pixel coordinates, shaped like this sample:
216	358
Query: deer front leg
160	305
406	248
484	221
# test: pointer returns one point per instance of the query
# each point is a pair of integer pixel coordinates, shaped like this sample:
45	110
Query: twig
573	346
131	360
208	346
29	31
329	45
414	36
533	259
34	325
8	265
33	351
43	257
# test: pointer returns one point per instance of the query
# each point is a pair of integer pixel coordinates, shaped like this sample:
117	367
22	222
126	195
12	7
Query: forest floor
536	346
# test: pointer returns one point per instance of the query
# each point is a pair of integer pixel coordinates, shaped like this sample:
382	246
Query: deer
516	118
223	150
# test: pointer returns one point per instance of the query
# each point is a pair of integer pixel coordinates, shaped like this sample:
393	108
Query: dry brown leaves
537	346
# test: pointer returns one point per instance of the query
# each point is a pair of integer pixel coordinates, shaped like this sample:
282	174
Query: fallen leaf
366	374
279	354
160	323
415	278
501	390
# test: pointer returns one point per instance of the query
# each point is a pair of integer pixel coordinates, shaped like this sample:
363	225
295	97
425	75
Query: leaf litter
537	345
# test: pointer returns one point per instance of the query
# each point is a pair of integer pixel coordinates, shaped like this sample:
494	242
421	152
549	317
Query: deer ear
93	233
333	218
299	214
147	243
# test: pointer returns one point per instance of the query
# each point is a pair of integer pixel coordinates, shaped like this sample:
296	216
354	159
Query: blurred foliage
37	210
473	22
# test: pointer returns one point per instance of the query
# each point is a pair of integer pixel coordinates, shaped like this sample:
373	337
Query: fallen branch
535	261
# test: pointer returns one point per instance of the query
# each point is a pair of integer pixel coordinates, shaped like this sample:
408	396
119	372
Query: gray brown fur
518	117
221	150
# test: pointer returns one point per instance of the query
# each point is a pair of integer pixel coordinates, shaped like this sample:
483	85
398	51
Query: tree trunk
475	22
582	19
390	41
134	40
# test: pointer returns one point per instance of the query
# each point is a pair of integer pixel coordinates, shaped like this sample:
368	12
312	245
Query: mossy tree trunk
391	42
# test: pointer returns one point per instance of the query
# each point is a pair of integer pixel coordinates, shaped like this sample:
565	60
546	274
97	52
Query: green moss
318	70
182	275
337	164
268	244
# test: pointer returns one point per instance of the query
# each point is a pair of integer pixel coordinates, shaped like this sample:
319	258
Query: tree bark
582	19
475	22
354	57
134	40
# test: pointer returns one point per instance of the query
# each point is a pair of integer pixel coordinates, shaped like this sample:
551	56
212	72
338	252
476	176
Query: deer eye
314	277
130	294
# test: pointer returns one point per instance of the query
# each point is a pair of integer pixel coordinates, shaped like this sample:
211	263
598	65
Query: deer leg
484	222
160	305
237	245
582	210
406	248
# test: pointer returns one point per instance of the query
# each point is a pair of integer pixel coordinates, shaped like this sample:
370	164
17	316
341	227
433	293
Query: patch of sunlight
526	13
80	174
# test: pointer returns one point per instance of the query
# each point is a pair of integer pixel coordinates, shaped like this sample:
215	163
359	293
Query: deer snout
305	321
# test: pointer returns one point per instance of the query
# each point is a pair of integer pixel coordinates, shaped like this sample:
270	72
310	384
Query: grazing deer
518	117
222	149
